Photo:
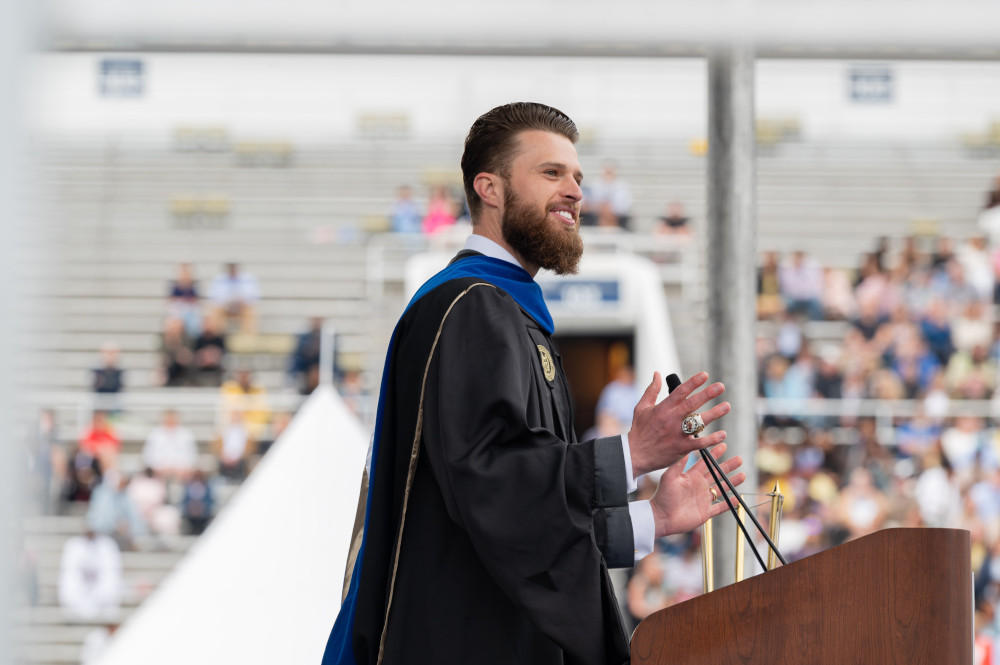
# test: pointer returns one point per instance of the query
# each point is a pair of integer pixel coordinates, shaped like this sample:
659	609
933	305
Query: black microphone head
672	382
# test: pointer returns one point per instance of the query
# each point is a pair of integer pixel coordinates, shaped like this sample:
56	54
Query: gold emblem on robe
548	367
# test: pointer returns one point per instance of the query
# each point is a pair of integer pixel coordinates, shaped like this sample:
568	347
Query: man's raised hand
684	499
656	440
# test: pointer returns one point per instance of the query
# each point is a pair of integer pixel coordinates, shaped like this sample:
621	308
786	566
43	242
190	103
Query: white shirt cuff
643	529
627	452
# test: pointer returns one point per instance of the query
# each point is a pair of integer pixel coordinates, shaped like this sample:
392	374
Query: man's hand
656	440
683	500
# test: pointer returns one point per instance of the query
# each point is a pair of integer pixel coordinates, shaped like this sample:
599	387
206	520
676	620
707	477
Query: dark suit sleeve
539	511
612	520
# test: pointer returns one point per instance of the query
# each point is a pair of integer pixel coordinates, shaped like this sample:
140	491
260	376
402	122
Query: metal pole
14	19
731	255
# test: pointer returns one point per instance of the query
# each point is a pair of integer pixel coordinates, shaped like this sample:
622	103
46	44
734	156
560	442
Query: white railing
885	412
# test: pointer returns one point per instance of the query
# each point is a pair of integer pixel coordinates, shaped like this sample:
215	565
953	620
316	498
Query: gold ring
715	494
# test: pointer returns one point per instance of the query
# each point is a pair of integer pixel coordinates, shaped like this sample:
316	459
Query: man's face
541	210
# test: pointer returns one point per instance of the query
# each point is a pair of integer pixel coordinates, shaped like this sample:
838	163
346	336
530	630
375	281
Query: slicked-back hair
491	144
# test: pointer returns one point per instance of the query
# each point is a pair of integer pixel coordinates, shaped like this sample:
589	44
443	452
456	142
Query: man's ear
489	188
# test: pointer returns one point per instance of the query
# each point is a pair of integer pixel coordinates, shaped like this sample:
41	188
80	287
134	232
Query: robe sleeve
539	511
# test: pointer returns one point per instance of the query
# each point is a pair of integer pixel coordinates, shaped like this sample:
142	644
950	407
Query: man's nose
572	190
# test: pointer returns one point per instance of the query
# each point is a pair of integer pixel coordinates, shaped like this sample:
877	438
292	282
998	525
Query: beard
536	239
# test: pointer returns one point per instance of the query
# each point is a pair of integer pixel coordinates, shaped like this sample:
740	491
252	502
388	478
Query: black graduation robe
510	524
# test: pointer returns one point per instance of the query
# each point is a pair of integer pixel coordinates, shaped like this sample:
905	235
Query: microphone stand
713	467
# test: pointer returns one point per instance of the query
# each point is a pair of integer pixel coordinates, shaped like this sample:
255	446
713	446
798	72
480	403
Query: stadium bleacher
108	233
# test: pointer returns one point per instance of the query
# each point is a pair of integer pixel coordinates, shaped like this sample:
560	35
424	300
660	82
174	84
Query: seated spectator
171	450
789	337
936	329
675	222
972	328
682	572
101	442
441	211
108	378
304	363
234	448
916	437
149	495
47	461
869	318
242	394
112	513
90	577
871	280
177	355
209	353
838	297
937	494
83	473
977	265
605	424
942	254
801	282
915	365
769	300
861	508
405	216
951	285
198	504
966	447
183	302
352	391
611	199
234	295
279	423
989	218
620	396
911	257
647	590
828	380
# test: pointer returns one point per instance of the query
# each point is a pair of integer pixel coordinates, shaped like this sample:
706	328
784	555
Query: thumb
648	398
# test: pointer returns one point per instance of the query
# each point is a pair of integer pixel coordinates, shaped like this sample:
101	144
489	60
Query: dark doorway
591	362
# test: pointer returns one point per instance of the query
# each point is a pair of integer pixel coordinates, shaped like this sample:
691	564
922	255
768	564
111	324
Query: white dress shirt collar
487	247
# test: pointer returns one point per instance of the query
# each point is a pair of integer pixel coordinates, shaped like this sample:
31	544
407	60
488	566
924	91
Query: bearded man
485	529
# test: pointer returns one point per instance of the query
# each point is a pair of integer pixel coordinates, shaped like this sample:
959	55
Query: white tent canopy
263	584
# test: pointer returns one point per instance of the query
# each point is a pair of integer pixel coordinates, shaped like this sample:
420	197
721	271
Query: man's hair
491	144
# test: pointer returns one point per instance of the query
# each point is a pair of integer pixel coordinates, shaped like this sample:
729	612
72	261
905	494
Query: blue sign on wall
581	294
121	78
871	84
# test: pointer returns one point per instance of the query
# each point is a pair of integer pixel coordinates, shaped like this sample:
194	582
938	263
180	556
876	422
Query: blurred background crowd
182	330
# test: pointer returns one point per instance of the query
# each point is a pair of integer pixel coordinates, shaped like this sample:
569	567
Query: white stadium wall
319	97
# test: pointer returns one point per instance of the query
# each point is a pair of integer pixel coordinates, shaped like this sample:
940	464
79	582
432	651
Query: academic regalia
509	524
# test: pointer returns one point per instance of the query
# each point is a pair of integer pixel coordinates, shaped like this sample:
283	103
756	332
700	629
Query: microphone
713	467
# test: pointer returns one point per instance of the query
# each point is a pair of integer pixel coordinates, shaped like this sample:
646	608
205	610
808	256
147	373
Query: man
488	529
171	449
235	294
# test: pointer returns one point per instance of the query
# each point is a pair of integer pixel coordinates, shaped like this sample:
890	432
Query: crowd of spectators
914	326
443	209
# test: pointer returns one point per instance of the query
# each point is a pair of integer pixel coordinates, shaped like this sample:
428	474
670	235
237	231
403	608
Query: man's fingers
715	412
716	452
652	391
682	391
695	401
731	464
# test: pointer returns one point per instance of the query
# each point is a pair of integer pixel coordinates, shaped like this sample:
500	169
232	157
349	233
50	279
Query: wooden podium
899	596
